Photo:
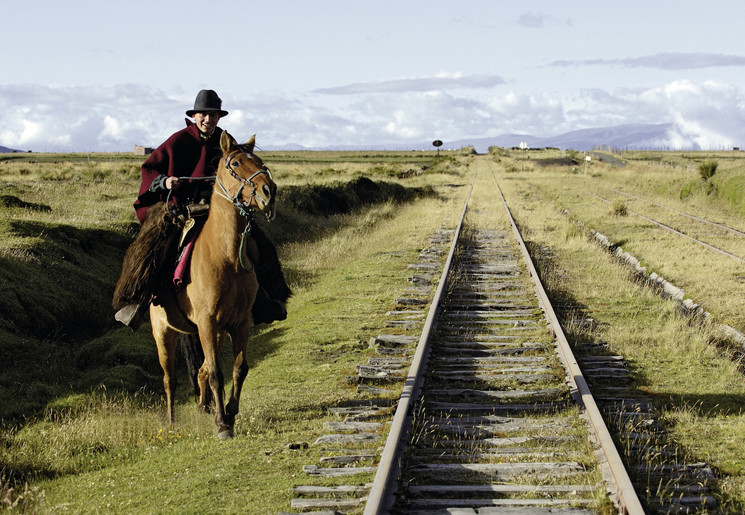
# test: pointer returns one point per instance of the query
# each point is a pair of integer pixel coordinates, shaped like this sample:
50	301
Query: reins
242	248
170	192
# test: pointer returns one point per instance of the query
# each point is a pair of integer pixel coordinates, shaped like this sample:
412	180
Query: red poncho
184	154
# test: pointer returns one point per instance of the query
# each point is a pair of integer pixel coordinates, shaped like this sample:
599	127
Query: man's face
206	122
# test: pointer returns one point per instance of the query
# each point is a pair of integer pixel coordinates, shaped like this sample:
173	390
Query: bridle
245	208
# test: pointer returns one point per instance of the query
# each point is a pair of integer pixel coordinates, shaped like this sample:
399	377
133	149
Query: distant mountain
632	136
6	149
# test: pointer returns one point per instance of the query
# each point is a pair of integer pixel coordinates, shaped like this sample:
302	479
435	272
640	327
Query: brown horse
217	299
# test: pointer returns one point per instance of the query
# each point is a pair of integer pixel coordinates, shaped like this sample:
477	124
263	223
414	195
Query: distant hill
625	137
6	149
632	136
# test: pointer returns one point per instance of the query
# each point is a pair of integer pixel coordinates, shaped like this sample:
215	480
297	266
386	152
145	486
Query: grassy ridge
94	402
100	431
697	387
58	280
107	449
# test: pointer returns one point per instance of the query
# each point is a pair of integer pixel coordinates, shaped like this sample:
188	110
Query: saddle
156	262
152	258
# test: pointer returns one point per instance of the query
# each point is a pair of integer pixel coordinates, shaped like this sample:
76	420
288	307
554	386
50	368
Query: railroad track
495	425
667	227
495	414
686	215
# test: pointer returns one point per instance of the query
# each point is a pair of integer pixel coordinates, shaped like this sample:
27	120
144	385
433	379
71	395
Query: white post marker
523	146
587	161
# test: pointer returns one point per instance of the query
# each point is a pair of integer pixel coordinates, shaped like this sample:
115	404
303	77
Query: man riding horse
182	171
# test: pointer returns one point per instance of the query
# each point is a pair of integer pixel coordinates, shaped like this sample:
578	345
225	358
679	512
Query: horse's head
244	179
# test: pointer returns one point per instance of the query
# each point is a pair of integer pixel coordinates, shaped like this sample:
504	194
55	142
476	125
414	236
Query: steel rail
383	489
693	217
627	499
679	233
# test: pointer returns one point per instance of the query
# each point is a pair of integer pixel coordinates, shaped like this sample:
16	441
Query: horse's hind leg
210	374
192	351
205	393
194	356
205	390
165	339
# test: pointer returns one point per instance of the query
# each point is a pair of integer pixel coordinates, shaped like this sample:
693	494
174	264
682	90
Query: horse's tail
146	259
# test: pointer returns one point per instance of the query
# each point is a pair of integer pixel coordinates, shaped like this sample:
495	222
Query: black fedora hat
207	101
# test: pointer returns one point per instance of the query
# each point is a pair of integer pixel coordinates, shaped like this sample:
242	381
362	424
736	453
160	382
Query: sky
92	76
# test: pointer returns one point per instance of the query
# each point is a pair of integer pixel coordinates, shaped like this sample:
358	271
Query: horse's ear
227	142
250	144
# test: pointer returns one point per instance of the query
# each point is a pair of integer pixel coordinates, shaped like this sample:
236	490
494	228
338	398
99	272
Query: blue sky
103	76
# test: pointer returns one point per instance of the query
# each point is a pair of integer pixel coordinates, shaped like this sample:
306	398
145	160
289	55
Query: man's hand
172	183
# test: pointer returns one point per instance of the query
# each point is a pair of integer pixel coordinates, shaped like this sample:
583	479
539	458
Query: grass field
697	386
84	427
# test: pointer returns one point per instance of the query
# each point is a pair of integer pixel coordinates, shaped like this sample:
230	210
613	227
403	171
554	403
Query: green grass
709	278
297	373
697	386
86	428
83	410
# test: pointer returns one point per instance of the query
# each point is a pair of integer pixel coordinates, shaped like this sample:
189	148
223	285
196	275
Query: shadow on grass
57	330
653	453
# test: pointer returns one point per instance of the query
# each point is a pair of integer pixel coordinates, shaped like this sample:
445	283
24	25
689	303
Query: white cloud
26	134
53	119
706	114
536	114
30	132
111	128
442	81
531	20
662	61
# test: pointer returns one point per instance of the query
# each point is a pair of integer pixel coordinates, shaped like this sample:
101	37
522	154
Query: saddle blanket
188	237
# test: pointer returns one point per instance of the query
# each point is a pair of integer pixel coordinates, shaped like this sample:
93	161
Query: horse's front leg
240	371
211	375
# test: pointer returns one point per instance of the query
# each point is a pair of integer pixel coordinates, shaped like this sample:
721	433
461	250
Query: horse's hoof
225	434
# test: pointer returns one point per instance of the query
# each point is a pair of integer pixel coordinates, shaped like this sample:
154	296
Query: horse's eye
235	163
